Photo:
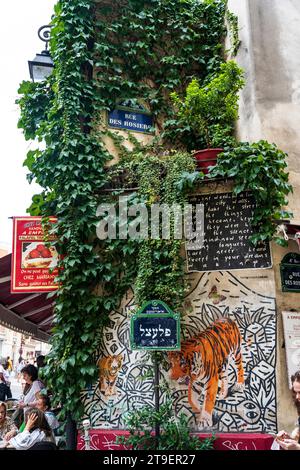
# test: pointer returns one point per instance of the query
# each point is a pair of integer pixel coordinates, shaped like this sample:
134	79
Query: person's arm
282	435
289	444
29	400
24	440
12	431
295	434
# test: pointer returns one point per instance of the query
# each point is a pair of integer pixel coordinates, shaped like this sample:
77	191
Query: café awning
31	314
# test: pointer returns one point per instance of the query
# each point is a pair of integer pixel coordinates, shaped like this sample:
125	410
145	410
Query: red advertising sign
33	262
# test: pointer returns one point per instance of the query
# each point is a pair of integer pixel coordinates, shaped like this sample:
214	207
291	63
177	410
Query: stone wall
270	109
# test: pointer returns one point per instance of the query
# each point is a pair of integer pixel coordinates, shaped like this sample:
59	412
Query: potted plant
210	111
259	167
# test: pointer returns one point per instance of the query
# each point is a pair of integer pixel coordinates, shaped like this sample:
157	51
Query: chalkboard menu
290	272
157	330
226	228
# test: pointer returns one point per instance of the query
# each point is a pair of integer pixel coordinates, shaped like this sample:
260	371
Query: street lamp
42	65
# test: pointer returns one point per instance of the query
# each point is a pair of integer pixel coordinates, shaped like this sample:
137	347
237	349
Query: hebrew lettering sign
158	329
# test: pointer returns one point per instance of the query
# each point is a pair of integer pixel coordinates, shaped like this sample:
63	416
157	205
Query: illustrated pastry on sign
39	256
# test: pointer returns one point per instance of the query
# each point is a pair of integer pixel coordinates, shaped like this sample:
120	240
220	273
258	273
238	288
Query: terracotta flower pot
206	158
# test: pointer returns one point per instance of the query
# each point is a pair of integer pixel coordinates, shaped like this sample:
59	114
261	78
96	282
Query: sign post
155	328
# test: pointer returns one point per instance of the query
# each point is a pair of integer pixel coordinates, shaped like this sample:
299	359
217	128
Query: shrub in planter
259	167
174	431
210	111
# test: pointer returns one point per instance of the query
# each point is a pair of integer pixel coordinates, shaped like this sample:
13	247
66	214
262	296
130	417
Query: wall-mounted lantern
42	65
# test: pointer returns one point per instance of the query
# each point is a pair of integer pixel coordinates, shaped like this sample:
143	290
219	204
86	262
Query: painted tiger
205	358
109	368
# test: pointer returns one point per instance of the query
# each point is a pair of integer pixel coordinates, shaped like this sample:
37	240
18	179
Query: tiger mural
109	368
205	358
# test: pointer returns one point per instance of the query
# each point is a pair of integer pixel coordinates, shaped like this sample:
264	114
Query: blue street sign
130	120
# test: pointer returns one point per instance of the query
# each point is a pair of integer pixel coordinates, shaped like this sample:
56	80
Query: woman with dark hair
32	387
36	430
7	427
292	441
44	404
40	361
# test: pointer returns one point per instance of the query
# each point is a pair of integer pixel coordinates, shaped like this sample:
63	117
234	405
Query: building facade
251	298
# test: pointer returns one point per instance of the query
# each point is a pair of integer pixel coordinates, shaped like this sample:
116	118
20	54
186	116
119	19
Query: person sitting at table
292	441
44	404
32	387
8	429
29	397
36	430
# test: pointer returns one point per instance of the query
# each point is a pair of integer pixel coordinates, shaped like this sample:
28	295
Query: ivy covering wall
105	52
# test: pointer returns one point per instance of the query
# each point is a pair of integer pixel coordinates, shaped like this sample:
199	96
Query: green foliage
70	169
210	110
160	267
147	49
106	52
259	167
174	431
233	23
34	106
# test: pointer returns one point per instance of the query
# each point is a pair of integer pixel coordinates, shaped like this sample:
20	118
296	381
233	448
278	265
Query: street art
241	299
205	358
109	368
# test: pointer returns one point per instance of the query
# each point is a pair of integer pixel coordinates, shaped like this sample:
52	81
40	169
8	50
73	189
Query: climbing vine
233	26
105	53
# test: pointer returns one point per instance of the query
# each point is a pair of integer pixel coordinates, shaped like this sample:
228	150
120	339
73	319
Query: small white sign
291	328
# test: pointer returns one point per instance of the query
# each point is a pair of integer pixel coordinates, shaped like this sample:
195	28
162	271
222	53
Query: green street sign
290	273
155	327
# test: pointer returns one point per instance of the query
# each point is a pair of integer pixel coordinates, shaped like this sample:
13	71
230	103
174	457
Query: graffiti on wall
224	377
205	358
109	368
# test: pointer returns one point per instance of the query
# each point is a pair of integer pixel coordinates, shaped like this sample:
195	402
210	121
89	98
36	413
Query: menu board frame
210	246
291	329
28	275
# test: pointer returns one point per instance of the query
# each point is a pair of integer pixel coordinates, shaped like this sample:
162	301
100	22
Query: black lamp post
42	65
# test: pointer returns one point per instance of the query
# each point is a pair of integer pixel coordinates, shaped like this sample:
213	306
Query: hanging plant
261	168
104	53
211	109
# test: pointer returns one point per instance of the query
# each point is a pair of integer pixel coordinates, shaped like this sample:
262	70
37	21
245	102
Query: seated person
36	429
44	404
8	429
288	441
32	387
292	441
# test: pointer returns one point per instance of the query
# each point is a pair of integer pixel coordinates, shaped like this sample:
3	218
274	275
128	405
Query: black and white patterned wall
127	381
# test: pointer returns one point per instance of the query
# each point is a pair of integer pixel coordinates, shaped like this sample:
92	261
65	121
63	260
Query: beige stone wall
110	146
247	297
270	109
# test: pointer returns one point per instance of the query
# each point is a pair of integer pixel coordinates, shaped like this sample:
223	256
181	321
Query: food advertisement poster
291	326
34	260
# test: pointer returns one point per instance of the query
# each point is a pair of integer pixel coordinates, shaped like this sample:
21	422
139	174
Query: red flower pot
206	158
